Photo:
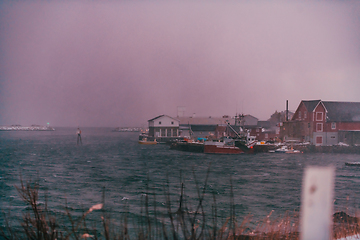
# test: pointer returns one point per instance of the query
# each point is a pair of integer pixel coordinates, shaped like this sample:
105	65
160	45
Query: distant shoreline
128	129
31	128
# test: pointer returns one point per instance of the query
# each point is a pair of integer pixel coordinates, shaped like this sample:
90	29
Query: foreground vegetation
183	222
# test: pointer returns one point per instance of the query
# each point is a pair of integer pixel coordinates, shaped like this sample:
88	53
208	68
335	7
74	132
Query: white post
317	203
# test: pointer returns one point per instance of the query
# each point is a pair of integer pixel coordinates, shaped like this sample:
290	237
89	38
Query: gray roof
264	124
337	111
205	120
163	115
203	128
342	111
311	104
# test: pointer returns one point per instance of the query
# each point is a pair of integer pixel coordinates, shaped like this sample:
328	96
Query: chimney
287	110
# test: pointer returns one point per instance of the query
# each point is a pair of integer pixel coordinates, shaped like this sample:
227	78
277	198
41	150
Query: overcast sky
103	63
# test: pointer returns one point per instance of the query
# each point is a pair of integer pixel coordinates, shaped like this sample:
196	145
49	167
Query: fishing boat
221	148
188	146
146	142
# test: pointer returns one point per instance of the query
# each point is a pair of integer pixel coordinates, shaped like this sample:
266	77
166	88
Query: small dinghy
352	164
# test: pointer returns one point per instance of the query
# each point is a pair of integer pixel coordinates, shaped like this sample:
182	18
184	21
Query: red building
265	131
324	123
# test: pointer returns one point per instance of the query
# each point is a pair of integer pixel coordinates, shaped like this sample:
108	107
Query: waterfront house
248	121
217	127
265	131
163	126
324	123
206	127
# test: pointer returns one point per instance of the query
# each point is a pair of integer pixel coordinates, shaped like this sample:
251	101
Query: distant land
31	128
128	129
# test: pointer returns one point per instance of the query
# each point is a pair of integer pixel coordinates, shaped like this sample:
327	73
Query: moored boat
352	164
188	146
145	141
221	148
284	149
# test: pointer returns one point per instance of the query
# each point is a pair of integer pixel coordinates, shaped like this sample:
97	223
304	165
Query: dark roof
203	128
342	111
264	124
160	117
310	105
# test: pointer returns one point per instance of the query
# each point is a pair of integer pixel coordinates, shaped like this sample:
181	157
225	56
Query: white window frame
333	125
322	116
299	114
322	140
305	115
319	124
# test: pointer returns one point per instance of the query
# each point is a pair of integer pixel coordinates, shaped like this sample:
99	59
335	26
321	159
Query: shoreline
30	128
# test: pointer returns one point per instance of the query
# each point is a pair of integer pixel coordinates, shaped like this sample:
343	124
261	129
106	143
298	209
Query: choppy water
114	160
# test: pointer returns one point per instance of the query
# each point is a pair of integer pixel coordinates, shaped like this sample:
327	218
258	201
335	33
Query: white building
163	126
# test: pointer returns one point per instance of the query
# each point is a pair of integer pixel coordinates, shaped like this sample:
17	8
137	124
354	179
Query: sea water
75	176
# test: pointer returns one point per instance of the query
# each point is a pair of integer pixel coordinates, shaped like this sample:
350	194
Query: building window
305	115
319	140
333	125
319	116
299	115
257	130
172	123
266	135
159	123
319	127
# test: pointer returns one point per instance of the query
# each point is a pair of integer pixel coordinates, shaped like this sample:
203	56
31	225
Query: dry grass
187	222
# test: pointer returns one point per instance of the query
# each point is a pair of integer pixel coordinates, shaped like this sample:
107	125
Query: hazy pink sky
109	63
